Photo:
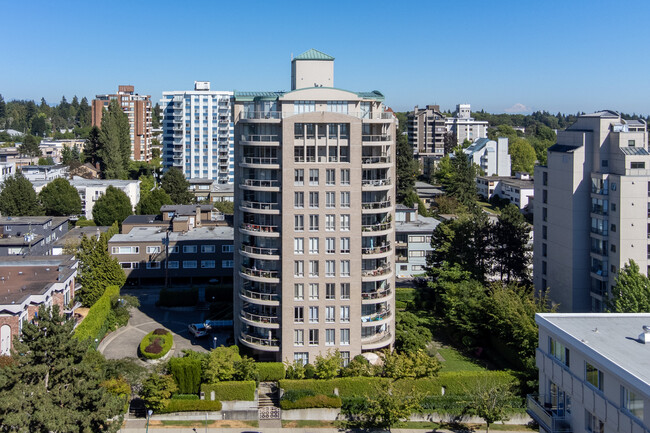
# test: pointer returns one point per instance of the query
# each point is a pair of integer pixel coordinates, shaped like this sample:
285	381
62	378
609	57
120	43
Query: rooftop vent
644	337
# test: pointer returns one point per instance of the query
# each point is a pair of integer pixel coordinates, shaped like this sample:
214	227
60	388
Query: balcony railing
401	259
259	205
375	160
259	160
259	273
379	271
261	183
259	295
375	295
376	250
259	317
260	138
376	337
259	228
546	416
260	251
320	159
376	182
376	204
376	227
376	316
273	342
259	115
377	137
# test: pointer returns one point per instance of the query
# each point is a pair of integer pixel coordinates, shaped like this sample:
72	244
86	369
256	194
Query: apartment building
464	126
198	133
44	172
30	236
426	135
518	189
138	109
591	209
90	190
7	169
593	373
412	241
28	283
314	198
492	156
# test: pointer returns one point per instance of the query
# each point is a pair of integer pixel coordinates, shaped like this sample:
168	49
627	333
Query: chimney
198	216
644	337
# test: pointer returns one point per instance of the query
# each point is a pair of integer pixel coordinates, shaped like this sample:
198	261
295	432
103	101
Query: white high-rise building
592	213
198	133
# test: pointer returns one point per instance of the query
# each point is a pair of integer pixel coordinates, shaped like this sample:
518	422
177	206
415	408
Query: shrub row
155	346
187	373
455	383
311	401
455	404
225	391
191	406
185	397
270	371
91	327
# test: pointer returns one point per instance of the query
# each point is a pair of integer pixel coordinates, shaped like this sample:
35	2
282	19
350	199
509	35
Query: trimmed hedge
91	327
149	342
225	391
270	371
185	397
191	406
455	383
311	401
187	374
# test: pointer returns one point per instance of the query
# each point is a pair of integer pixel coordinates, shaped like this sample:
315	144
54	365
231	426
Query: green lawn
489	207
404	296
456	361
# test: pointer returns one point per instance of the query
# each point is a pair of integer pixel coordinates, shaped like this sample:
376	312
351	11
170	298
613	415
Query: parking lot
124	342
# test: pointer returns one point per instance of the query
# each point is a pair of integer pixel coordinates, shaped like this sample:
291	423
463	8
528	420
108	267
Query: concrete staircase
268	401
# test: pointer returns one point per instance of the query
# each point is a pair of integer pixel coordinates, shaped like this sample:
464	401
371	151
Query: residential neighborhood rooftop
156	234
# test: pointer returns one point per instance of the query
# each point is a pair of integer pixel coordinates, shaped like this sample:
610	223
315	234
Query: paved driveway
124	342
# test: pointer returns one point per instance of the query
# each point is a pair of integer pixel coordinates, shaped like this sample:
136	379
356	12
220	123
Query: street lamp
214	343
149	413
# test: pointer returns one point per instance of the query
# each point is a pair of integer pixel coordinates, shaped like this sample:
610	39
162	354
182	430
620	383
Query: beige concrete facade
591	210
314	202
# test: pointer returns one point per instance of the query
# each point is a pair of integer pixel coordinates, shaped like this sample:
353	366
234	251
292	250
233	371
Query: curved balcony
259	275
260	140
374	161
259	207
260	185
376	184
381	273
259	230
376	229
260	320
372	297
260	253
376	318
259	162
377	341
382	250
261	298
377	206
265	344
260	116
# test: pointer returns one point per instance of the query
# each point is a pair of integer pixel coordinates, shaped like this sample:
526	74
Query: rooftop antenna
292	56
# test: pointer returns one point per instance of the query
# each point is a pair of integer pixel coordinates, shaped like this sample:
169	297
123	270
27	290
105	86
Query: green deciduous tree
225	207
175	184
328	366
411	334
151	203
631	294
114	136
59	198
402	365
382	409
18	197
490	401
522	155
111	207
220	364
157	390
246	369
97	269
53	385
359	366
510	239
29	146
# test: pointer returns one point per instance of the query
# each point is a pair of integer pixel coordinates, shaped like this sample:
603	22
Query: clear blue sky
550	55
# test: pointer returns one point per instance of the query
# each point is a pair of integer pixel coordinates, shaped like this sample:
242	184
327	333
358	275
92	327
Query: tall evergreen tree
84	113
407	167
92	147
114	136
18	197
53	385
462	184
59	198
175	184
113	206
30	146
631	294
510	238
3	109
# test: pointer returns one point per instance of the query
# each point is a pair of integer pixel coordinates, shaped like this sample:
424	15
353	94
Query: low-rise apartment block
518	189
27	283
412	241
44	172
594	374
492	156
30	236
464	126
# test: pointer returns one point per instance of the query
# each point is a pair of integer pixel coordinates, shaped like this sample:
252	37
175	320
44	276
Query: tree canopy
175	184
54	384
522	156
111	207
115	141
407	167
18	197
510	244
30	147
59	198
631	294
150	204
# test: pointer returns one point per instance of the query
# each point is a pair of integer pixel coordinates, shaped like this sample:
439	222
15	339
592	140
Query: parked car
198	330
